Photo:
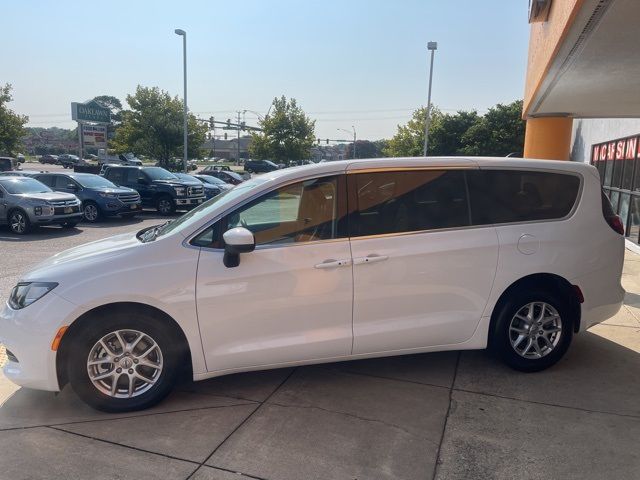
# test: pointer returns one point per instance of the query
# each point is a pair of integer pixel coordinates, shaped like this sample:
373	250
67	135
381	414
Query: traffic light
228	123
242	125
225	135
318	141
212	122
327	141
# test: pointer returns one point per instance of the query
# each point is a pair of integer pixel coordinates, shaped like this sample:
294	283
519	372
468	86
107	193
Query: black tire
70	224
18	222
165	205
507	342
248	170
86	339
91	212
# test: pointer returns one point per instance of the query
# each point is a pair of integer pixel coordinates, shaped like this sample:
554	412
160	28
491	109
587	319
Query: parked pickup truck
158	187
122	159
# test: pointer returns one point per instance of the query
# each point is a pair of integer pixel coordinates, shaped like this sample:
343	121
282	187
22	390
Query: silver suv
26	202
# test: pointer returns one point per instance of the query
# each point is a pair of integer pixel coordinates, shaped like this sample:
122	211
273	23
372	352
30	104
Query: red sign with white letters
626	148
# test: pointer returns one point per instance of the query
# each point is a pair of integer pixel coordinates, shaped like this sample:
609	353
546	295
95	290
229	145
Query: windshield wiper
150	234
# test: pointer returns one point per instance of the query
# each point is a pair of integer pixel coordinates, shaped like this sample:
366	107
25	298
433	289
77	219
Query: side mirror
143	181
236	241
72	186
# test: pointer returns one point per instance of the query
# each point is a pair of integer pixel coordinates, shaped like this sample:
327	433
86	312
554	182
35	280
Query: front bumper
189	202
56	219
27	334
117	207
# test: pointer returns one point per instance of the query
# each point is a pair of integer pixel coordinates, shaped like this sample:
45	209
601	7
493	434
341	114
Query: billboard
91	111
94	136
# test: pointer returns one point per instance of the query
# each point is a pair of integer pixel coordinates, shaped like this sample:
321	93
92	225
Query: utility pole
432	46
238	159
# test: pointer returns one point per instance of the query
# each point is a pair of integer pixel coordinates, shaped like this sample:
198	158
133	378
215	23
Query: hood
113	190
48	196
178	183
89	253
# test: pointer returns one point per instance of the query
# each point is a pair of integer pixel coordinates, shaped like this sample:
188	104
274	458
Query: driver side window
301	212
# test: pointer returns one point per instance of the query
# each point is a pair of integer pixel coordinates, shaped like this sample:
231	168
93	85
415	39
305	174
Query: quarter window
408	201
506	196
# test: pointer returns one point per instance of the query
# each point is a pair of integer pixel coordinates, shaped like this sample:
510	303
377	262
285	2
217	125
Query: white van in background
324	263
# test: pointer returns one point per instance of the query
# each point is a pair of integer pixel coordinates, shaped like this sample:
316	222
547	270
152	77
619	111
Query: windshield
208	207
210	179
15	185
186	176
94	181
158	173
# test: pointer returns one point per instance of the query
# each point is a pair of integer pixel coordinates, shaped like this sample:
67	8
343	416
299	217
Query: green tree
113	104
153	127
364	149
498	133
11	124
287	133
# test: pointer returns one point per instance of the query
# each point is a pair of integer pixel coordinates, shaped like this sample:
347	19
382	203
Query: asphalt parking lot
445	415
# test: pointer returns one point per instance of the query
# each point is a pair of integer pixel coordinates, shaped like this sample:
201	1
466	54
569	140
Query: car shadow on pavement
597	374
38	233
110	222
632	299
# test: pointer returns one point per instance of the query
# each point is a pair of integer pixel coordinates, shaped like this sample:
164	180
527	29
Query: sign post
90	112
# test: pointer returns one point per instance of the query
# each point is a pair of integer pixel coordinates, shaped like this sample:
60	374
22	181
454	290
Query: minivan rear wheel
123	362
533	330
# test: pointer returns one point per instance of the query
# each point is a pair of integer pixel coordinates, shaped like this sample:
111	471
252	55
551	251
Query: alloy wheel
125	363
535	330
90	212
18	222
164	206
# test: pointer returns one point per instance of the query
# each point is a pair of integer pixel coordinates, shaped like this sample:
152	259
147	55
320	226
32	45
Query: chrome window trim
187	241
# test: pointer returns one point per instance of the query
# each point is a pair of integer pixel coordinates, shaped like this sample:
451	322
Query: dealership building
582	93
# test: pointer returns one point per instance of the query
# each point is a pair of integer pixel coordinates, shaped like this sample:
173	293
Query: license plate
68	209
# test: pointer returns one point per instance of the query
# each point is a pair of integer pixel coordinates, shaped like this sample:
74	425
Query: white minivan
324	263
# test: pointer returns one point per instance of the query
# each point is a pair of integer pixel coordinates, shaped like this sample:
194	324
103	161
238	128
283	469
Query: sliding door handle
371	258
331	263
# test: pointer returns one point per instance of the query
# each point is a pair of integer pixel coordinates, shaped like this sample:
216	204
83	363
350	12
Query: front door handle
331	263
371	258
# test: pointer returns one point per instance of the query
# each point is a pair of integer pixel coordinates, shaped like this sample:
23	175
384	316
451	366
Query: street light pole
354	138
433	46
183	34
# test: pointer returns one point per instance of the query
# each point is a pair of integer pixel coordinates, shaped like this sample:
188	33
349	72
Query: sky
360	63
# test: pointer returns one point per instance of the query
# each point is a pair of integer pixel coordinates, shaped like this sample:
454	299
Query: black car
51	159
158	188
259	166
226	176
68	161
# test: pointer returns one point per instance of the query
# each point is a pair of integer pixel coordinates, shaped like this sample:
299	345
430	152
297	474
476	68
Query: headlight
108	195
43	210
180	191
25	293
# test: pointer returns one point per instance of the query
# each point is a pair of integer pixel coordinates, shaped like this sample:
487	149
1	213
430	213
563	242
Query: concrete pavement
444	416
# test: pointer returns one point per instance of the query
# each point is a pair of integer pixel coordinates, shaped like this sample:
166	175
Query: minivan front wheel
123	363
533	330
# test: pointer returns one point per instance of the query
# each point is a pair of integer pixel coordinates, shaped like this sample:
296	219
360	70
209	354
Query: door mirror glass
143	181
236	241
72	186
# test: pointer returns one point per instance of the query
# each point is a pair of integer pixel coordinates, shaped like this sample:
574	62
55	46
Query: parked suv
426	255
25	202
49	159
259	166
9	164
99	196
69	161
158	187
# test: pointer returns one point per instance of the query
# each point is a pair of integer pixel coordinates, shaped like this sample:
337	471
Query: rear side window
408	201
507	196
116	175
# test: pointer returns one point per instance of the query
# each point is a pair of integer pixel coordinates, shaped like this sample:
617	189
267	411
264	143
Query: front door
422	274
291	298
